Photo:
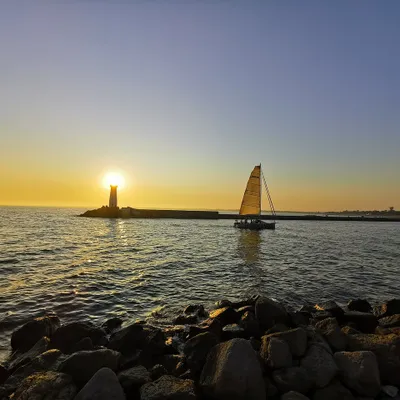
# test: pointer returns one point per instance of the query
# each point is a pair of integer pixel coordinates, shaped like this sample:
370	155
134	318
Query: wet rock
276	353
223	303
349	330
387	351
185	319
196	309
292	379
46	385
225	316
359	371
319	364
299	318
84	364
330	329
334	391
250	325
270	312
128	339
67	336
197	348
168	388
295	338
112	324
157	372
3	374
270	389
84	344
103	385
30	333
232	370
390	307
359	305
330	307
279	327
133	378
392	321
364	322
232	331
242	310
294	396
171	362
389	390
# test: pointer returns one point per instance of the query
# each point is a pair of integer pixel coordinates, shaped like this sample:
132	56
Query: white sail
251	203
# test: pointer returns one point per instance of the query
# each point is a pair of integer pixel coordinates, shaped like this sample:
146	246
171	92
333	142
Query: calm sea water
53	261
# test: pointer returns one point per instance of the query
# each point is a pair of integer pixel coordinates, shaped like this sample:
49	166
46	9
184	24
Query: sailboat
250	208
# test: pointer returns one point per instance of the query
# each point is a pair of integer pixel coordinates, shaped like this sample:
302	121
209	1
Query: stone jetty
251	349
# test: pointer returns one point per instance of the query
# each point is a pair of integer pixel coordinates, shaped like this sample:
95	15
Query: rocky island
253	349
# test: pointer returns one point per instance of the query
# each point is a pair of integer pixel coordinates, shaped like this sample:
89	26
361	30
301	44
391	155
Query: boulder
292	379
389	390
225	315
223	303
103	385
28	334
168	388
319	364
196	309
390	307
270	389
250	325
279	327
3	374
112	324
334	391
84	364
132	378
387	351
67	336
294	396
349	330
184	319
276	353
197	348
232	331
128	339
84	344
233	371
393	321
359	305
171	363
330	307
330	329
359	371
157	372
295	338
299	318
364	322
46	385
270	312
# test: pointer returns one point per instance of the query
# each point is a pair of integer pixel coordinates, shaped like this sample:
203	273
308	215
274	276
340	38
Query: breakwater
253	349
128	212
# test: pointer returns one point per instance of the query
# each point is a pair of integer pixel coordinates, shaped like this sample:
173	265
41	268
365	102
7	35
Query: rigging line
268	195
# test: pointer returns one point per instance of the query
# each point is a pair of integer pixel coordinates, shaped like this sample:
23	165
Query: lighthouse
113	197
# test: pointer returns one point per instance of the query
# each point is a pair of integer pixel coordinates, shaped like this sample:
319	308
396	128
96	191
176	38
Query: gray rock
133	378
392	321
294	396
276	354
359	305
112	324
84	344
359	371
334	391
28	334
46	386
330	329
319	364
292	379
67	336
197	348
270	312
168	388
389	390
295	338
84	364
233	371
19	359
157	371
232	331
103	385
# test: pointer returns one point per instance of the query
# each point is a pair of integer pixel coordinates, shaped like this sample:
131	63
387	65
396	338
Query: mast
260	192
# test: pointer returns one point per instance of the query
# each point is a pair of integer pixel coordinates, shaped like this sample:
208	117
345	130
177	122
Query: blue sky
190	95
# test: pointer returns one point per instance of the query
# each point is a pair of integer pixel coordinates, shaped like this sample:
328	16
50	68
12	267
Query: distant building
113	196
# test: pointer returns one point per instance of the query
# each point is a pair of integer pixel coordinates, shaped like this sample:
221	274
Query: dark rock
251	301
168	388
359	305
103	385
359	371
232	370
387	331
67	336
319	364
293	378
196	309
330	307
348	330
128	339
295	338
390	307
197	348
270	312
84	364
30	333
279	327
3	374
232	331
391	391
270	389
294	396
250	325
319	316
276	354
334	391
6	391
46	385
299	318
255	344
84	344
225	316
364	322
242	310
392	321
171	362
133	378
330	329
387	351
157	372
112	324
223	303
184	319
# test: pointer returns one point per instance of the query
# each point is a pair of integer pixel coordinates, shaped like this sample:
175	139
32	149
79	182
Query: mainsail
251	203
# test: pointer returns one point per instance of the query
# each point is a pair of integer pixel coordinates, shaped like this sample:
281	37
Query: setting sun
114	179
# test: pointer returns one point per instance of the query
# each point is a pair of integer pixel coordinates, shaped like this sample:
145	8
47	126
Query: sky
185	97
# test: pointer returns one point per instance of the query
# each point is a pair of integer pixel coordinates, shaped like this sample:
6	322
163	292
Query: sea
52	261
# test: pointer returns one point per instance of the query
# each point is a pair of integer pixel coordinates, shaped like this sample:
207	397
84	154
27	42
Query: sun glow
114	179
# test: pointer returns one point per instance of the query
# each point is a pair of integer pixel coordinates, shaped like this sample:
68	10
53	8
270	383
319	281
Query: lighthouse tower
113	196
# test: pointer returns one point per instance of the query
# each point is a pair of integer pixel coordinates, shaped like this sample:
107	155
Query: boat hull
255	226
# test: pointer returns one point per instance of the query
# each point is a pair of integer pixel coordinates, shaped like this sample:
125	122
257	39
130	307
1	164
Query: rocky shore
253	349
